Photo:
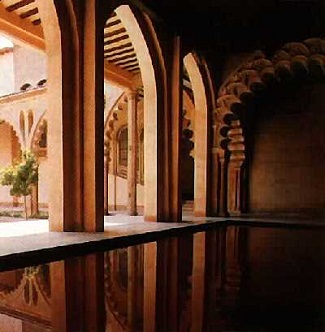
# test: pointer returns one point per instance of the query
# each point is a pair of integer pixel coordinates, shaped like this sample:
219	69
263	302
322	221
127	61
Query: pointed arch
203	101
150	60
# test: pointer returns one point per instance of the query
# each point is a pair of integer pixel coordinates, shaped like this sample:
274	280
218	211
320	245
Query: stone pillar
235	186
215	182
106	184
132	152
114	154
236	147
223	210
73	33
174	130
93	122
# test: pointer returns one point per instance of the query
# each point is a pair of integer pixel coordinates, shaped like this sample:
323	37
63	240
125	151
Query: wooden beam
21	30
117	75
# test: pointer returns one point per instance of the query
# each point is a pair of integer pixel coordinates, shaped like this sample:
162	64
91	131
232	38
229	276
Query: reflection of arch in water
31	295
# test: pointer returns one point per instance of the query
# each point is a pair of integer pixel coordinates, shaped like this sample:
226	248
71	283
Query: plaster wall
7	81
29	66
287	170
5	159
8	323
118	192
43	187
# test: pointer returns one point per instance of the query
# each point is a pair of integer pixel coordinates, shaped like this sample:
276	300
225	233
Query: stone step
187	205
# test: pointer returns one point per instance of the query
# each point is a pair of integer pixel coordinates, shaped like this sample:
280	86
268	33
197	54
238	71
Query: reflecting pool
231	278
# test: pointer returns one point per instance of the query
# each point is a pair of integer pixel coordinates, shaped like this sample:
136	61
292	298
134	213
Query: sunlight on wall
23	227
5	43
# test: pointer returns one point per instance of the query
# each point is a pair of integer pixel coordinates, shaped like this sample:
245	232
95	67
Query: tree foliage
21	176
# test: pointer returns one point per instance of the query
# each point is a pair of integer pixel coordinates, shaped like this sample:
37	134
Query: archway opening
199	86
131	186
22	104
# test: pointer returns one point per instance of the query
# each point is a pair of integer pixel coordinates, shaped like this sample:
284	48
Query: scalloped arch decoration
296	59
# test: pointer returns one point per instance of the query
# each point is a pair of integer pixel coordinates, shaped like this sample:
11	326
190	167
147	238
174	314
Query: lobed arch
110	113
29	120
31	294
294	61
15	130
39	130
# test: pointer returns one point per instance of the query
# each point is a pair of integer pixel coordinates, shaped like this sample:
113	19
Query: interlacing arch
15	130
299	60
41	129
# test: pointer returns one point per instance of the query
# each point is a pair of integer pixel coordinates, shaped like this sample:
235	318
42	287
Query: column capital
131	94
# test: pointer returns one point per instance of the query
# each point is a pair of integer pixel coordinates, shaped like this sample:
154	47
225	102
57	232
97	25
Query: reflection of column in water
204	280
167	269
135	288
124	289
77	288
235	255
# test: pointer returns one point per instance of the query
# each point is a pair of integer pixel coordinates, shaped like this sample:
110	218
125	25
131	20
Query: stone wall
6	73
287	172
30	66
118	193
5	159
43	185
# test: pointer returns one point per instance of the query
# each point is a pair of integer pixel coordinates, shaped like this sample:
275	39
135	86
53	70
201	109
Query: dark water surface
235	278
